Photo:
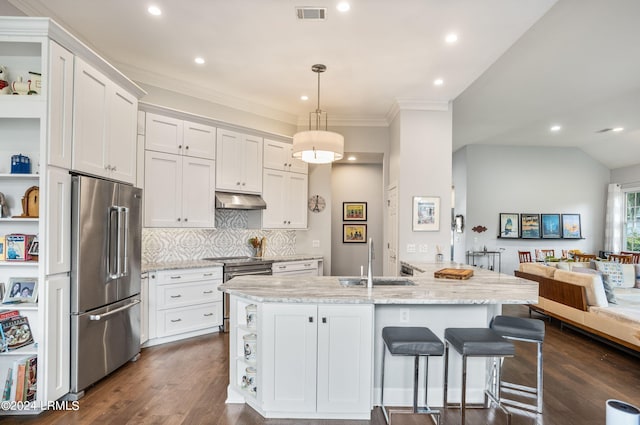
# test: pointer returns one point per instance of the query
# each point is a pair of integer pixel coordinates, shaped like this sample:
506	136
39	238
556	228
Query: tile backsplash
230	238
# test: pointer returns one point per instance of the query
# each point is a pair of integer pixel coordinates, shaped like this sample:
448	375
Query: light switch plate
315	243
411	248
423	248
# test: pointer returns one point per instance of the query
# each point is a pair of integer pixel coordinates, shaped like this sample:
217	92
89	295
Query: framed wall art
571	226
530	226
354	233
426	213
354	211
509	225
550	226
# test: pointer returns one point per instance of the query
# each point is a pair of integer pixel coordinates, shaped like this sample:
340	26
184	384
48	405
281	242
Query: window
632	221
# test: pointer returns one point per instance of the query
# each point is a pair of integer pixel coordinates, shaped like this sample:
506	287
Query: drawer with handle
188	293
187	275
289	266
186	319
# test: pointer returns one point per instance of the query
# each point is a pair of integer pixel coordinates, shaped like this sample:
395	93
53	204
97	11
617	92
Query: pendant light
318	146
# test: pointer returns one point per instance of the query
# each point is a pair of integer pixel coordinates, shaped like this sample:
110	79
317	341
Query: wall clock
316	203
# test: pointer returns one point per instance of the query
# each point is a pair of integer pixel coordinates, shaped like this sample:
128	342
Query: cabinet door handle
208	314
175	277
176	320
186	147
310	319
176	296
243	183
178	218
207	274
207	292
114	168
179	146
307	264
324	320
282	267
186	219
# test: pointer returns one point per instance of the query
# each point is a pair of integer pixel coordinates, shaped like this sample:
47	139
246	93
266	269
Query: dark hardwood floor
185	383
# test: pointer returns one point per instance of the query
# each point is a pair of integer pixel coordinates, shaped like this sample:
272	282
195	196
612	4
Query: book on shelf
15	332
8	383
21	381
31	378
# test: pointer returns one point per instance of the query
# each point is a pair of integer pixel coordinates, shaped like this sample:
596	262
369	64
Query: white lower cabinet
183	303
313	361
57	333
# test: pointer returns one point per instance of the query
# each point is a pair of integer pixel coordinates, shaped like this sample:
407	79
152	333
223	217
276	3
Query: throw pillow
608	290
613	271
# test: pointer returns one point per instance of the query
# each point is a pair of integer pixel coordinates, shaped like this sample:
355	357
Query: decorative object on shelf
318	146
20	164
4	206
30	203
354	233
316	203
252	315
354	211
262	249
426	213
255	244
571	226
17	247
35	82
16	332
20	86
21	289
4	81
34	248
530	226
550	226
479	229
250	346
509	225
249	379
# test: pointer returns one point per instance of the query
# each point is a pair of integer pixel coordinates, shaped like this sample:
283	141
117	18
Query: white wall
627	176
357	183
507	179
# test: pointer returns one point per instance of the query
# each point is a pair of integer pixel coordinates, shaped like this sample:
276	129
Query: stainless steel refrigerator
105	278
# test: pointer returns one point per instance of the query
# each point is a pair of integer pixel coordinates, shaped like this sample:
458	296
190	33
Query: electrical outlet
404	315
423	248
411	248
315	243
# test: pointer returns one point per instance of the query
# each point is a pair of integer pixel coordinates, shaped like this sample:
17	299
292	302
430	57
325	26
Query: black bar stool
527	330
476	342
417	342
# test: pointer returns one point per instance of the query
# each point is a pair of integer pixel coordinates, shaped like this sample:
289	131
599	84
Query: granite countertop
485	287
193	264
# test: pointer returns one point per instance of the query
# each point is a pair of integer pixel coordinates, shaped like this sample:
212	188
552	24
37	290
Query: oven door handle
234	274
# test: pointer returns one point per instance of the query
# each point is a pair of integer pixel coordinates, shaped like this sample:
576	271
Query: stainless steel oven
239	266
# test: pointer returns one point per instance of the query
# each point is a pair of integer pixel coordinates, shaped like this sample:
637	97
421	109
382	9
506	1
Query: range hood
239	201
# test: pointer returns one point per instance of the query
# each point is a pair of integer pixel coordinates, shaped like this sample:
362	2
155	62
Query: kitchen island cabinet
289	324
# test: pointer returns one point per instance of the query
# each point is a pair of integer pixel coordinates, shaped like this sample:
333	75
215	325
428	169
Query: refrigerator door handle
112	252
123	229
97	317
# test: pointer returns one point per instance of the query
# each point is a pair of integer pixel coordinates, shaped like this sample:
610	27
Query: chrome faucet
370	258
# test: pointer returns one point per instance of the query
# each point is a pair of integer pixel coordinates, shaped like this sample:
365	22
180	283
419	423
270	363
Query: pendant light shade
318	146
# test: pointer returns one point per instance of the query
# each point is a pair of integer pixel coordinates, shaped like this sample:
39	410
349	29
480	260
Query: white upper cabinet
104	126
279	156
285	194
172	135
239	162
60	106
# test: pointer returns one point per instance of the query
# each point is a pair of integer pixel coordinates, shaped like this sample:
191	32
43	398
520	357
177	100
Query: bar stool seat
527	330
476	342
417	342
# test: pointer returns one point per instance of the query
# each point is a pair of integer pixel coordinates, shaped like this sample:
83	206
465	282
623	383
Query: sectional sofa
600	298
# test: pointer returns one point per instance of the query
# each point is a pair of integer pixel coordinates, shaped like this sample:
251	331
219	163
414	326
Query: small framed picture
509	225
426	213
530	226
571	226
354	233
550	226
21	289
354	211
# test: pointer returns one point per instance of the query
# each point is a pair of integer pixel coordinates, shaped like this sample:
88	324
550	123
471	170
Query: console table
480	258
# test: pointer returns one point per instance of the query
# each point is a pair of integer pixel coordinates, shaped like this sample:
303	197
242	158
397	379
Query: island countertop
484	287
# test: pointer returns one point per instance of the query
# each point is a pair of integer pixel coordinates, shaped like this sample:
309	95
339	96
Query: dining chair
525	256
623	259
635	256
584	258
548	252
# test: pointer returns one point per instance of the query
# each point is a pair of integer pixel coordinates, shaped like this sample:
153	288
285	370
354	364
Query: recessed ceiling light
555	128
451	38
343	6
438	81
154	10
351	158
616	129
304	97
199	61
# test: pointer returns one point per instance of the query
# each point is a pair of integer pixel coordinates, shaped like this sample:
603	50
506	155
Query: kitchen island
310	347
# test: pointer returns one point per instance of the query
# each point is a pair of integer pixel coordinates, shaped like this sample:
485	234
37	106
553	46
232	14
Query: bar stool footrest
532	391
409	411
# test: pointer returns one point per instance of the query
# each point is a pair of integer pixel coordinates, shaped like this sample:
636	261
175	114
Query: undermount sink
377	281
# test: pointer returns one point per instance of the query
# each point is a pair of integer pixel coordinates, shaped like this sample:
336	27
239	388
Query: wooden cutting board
460	274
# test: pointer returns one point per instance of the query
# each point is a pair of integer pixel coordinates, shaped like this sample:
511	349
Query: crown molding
185	87
411	104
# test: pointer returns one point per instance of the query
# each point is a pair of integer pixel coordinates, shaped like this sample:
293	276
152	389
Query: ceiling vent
604	130
312	13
